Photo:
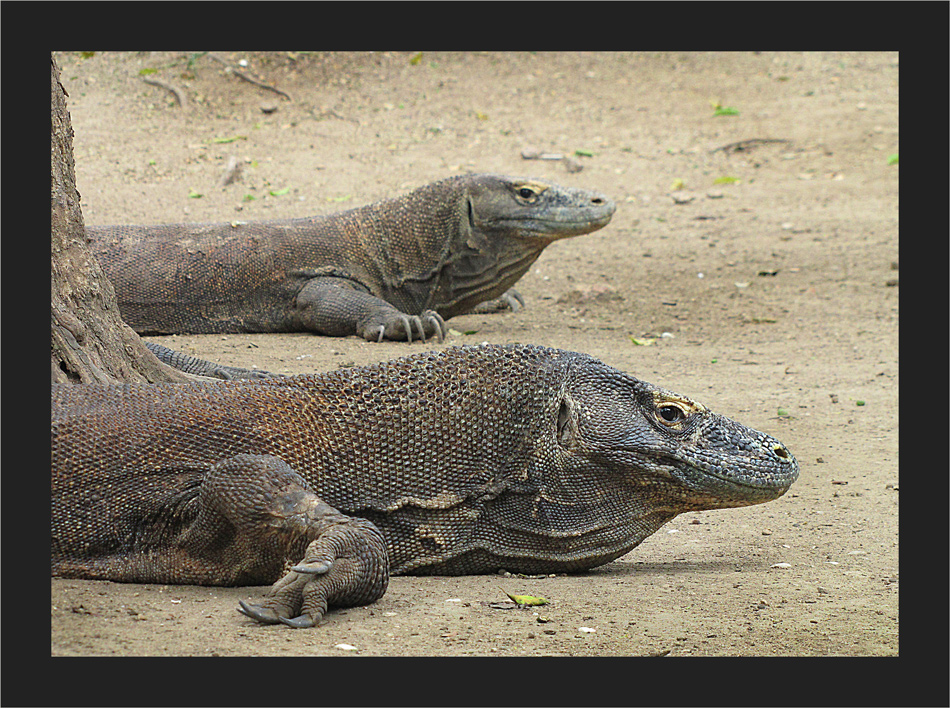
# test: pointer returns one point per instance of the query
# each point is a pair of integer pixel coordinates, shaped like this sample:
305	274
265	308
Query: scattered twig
534	154
171	88
324	112
570	163
250	78
742	145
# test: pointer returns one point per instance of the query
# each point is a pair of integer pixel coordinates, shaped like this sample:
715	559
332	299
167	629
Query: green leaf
642	342
725	111
228	140
584	153
783	413
725	179
859	403
87	55
527	600
415	59
146	72
192	194
344	198
193	58
892	159
249	197
280	192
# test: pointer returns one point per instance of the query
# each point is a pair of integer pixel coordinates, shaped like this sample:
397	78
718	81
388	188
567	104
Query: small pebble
572	165
344	647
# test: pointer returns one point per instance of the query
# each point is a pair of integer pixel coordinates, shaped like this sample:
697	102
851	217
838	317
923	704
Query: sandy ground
765	286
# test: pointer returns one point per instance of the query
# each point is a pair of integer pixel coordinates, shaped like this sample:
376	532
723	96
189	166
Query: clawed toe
438	323
410	328
514	300
301	622
314	568
264	615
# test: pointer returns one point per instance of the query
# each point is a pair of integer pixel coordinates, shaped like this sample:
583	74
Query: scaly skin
395	269
465	461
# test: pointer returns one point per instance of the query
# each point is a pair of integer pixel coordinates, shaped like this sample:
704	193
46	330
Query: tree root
171	88
250	78
743	145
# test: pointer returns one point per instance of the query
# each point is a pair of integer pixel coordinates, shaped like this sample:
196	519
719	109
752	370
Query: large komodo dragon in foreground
395	269
469	460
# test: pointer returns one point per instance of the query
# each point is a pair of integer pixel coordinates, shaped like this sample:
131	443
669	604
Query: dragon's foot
511	301
347	565
399	326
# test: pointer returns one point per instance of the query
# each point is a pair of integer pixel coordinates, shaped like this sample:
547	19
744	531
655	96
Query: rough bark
90	342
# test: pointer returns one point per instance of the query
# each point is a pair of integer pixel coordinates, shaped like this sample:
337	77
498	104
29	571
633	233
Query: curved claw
264	615
413	327
315	568
514	300
436	319
301	622
407	326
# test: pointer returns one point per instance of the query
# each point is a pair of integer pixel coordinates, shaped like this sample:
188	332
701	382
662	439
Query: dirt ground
760	279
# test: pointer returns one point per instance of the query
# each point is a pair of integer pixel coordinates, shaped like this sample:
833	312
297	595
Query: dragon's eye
527	193
670	413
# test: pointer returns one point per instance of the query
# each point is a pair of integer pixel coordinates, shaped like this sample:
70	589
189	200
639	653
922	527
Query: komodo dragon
463	461
395	269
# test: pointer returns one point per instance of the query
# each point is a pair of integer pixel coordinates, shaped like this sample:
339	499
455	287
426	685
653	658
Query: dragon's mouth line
557	223
678	470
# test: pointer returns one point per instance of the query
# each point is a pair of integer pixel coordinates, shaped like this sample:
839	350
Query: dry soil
752	264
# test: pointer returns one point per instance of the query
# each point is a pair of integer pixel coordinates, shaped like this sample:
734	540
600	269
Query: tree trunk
90	342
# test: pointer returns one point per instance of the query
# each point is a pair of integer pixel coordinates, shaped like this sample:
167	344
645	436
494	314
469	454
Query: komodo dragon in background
395	269
463	461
